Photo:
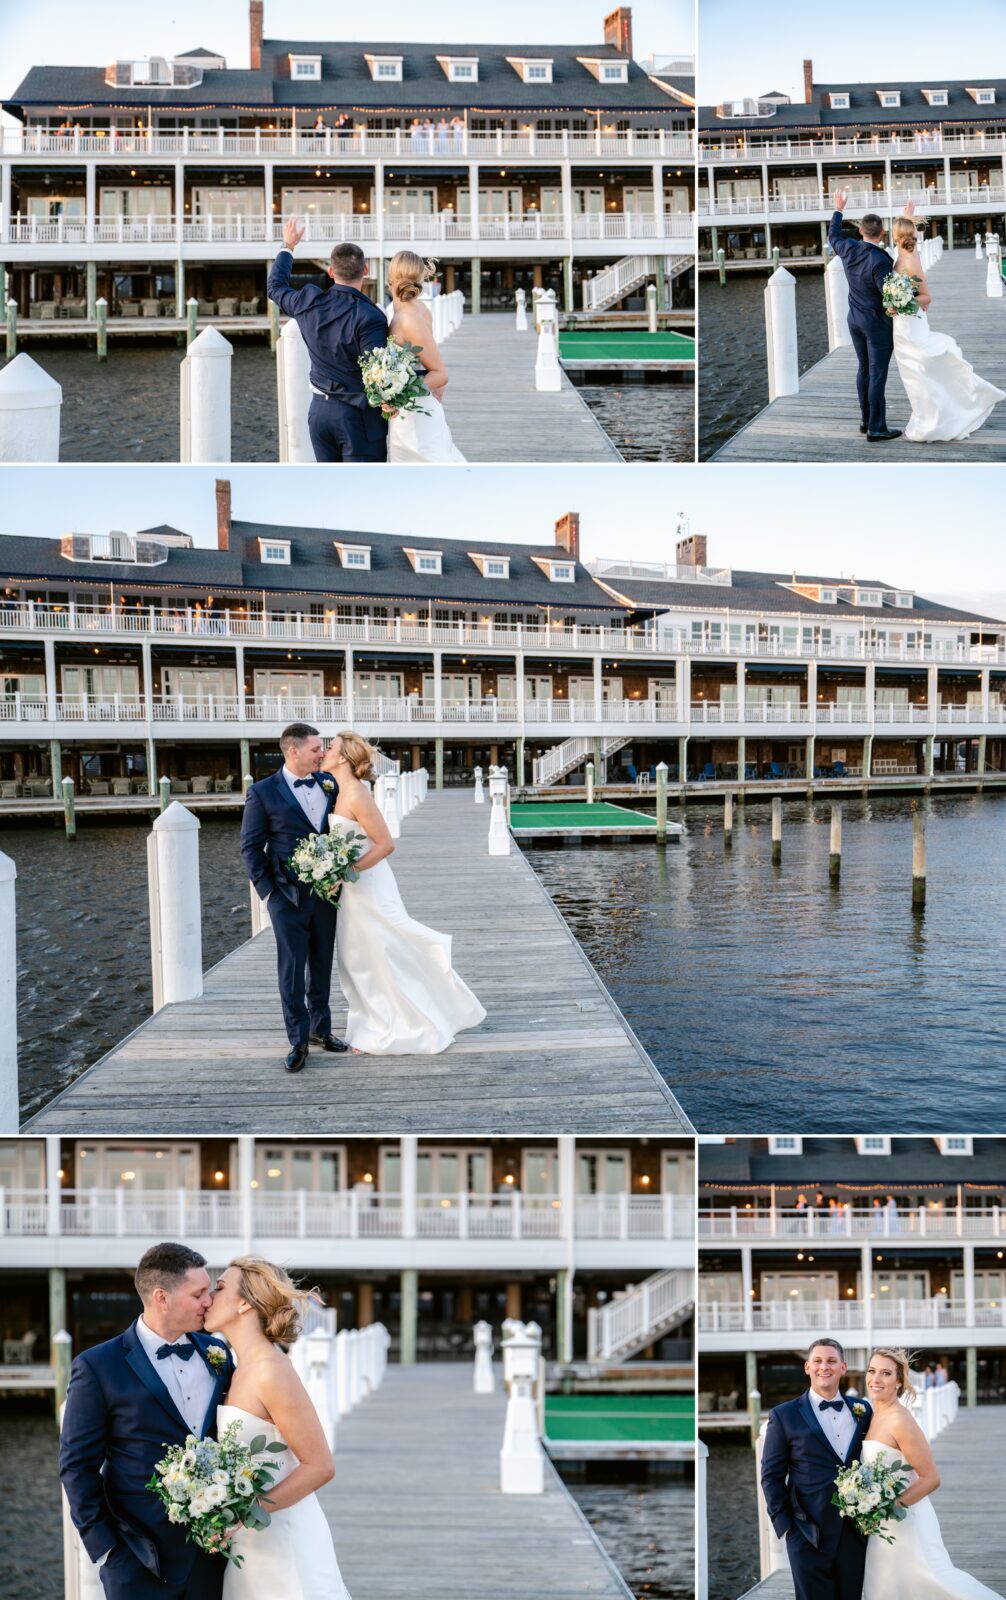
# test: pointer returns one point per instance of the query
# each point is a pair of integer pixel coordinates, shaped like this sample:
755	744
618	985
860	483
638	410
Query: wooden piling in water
662	803
273	326
164	790
101	325
728	821
776	830
835	852
918	859
590	783
754	1412
191	314
69	813
11	309
721	265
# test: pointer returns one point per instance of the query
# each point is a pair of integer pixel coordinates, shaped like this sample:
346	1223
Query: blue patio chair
708	771
775	769
630	769
838	770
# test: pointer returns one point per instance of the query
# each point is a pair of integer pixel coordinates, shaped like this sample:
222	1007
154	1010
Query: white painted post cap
101	301
176	818
211	342
25	386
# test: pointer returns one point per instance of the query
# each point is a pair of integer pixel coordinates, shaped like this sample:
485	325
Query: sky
750	49
816	519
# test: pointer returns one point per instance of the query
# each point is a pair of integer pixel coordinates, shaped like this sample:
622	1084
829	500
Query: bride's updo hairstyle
407	274
905	236
902	1363
359	754
273	1295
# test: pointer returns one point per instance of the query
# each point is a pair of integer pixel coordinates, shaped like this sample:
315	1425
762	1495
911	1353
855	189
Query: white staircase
641	1315
606	288
555	765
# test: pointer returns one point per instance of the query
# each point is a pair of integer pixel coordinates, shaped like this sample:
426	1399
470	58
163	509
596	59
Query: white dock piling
590	783
499	833
993	275
320	1372
483	1379
10	1118
176	938
391	814
521	1464
480	798
978	247
776	830
835	845
259	911
836	299
206	399
701	1540
780	335
30	407
521	324
293	394
918	859
651	307
547	372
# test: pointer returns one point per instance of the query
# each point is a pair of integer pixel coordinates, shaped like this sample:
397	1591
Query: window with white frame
785	1144
386	68
22	1164
430	561
283	1168
614	72
983	97
440	1170
600	1172
305	66
562	572
537	72
955	1144
839	102
936	97
890	97
492	566
460	69
873	1144
354	555
275	552
151	1168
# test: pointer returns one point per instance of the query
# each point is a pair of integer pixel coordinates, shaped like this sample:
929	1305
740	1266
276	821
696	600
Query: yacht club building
128	657
425	1236
870	1239
768	167
148	182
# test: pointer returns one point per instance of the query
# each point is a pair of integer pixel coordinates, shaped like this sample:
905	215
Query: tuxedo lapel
221	1379
284	792
137	1360
815	1421
862	1424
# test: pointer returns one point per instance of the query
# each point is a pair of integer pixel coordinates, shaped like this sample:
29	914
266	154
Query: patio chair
139	785
206	308
150	308
120	785
775	770
18	1352
838	770
201	785
223	785
47	311
708	771
179	786
129	308
250	308
9	790
97	786
228	307
633	774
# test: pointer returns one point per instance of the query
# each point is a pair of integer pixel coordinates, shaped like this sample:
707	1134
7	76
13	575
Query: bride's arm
292	1410
365	812
914	1448
433	361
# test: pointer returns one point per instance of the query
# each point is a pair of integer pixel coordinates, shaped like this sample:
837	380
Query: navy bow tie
304	783
831	1405
182	1351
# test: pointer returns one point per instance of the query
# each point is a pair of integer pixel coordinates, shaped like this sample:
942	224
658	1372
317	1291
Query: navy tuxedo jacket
339	325
799	1465
273	825
866	267
119	1416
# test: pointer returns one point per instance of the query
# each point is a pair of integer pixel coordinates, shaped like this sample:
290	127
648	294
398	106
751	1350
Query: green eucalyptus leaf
257	1445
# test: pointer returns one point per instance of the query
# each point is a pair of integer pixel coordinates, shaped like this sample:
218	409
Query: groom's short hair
833	1344
348	262
164	1266
872	225
296	733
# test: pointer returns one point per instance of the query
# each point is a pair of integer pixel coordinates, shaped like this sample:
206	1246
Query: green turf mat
643	1418
577	814
613	344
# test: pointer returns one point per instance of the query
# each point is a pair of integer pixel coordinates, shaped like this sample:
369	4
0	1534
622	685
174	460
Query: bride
916	1566
417	436
948	398
404	996
257	1309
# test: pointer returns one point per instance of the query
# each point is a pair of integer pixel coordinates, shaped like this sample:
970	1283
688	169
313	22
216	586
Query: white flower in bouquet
212	1488
391	379
325	861
867	1493
899	294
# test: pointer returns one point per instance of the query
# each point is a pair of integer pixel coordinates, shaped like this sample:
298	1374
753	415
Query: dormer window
460	69
492	566
873	1144
955	1144
538	70
605	70
785	1144
428	561
386	69
302	67
274	552
839	102
983	97
828	597
354	555
556	571
889	97
936	97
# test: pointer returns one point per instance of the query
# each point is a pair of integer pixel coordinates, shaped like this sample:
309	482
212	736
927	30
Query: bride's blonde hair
407	273
905	236
275	1297
359	754
902	1362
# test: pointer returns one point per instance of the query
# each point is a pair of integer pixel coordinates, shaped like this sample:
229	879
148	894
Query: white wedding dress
292	1559
415	437
948	398
403	994
916	1566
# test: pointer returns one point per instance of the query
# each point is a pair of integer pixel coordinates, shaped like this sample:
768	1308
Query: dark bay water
731	1516
769	1000
648	1531
733	373
31	1527
645	421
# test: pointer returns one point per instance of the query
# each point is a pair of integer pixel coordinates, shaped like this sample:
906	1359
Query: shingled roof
836	1160
865	107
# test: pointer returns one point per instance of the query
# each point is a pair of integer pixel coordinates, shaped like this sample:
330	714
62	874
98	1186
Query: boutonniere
327	784
859	1410
216	1355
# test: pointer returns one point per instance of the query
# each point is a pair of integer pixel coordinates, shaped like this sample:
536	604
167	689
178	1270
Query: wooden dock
553	1055
968	1501
494	409
417	1513
821	423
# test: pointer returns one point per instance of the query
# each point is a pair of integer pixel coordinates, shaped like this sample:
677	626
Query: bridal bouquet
899	295
325	861
867	1492
211	1488
390	379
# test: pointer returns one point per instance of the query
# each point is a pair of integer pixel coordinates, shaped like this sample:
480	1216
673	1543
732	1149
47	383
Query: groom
279	812
867	264
807	1441
128	1399
338	324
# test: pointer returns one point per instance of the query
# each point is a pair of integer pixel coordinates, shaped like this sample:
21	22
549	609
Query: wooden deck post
69	814
651	307
191	315
9	1109
164	792
721	265
484	1381
776	830
918	859
835	850
101	328
590	783
662	802
293	393
62	1358
754	1412
728	821
836	300
91	291
438	757
11	310
408	1315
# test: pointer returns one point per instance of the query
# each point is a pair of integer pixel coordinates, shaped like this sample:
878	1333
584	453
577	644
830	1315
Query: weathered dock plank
554	1053
417	1513
821	423
494	409
968	1501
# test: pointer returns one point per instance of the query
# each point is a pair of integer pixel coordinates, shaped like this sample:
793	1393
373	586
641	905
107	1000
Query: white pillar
701	1539
6	168
747	1284
246	1194
90	200
391	812
836	298
176	946
319	1374
51	685
866	1288
480	798
9	1109
499	833
521	1464
293	387
30	405
53	1187
993	275
968	1263
473	206
781	336
483	1380
409	1163
206	399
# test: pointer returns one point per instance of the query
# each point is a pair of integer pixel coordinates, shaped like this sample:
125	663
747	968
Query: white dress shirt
311	798
189	1383
839	1426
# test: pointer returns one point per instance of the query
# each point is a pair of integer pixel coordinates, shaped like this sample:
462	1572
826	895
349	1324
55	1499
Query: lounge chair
201	785
838	770
228	307
775	770
179	785
223	785
9	790
708	772
120	785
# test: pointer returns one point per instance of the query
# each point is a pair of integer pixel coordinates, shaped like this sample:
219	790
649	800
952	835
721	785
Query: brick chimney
223	513
255	34
567	534
618	30
691	552
808	82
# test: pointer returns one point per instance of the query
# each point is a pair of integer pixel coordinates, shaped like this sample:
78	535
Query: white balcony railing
850	1316
794	204
641	1315
373	711
945	1221
345	1214
645	144
855	149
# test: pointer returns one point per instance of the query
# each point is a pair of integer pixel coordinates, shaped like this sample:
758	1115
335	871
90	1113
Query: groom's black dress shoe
881	438
295	1060
863	428
328	1041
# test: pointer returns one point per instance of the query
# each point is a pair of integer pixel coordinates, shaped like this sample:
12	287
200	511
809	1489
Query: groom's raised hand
292	235
841	199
